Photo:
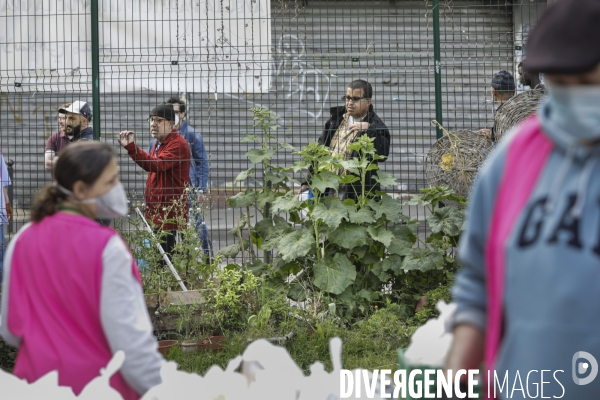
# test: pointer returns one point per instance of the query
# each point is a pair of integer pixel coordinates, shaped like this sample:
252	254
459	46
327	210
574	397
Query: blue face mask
576	109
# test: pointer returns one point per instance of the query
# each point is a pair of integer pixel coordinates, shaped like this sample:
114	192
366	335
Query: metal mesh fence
295	57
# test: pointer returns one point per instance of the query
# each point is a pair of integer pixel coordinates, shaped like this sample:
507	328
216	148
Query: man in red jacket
168	166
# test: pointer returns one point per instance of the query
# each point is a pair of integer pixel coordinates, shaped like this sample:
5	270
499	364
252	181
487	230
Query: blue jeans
195	216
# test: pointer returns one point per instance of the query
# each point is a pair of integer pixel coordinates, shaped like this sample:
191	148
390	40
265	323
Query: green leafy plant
433	262
188	258
7	356
349	252
232	297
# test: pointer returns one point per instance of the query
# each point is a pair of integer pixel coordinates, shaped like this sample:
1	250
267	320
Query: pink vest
54	302
524	164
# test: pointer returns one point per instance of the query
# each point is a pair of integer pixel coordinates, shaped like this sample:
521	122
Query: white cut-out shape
335	352
47	386
276	377
431	342
271	369
99	388
44	388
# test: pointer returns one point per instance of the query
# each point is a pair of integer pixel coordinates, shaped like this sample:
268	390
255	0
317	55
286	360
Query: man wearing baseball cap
527	296
74	119
78	117
168	166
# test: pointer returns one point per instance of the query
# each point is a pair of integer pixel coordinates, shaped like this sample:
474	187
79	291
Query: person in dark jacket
168	166
346	124
503	89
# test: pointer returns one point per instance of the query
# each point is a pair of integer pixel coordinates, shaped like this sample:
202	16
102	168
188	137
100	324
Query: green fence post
437	67
95	70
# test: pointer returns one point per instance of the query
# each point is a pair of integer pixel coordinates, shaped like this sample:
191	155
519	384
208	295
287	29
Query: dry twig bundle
455	158
516	110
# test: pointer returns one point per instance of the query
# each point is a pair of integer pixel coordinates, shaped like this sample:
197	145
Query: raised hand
125	137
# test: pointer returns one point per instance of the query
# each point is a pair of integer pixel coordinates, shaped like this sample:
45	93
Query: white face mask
576	109
112	204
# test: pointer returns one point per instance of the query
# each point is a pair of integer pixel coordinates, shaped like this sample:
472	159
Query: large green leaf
387	206
230	251
362	216
360	251
351	166
395	264
404	240
285	203
250	138
264	197
242	199
380	269
349	236
332	216
272	230
270	243
296	244
370	258
287	269
404	232
334	275
348	179
434	195
287	146
447	220
400	247
258	267
422	260
276	176
277	262
263	227
244	175
240	225
300	165
297	292
381	234
324	180
348	298
277	285
259	155
384	178
280	223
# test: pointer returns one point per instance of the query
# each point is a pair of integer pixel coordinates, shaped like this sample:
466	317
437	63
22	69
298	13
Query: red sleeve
173	153
51	142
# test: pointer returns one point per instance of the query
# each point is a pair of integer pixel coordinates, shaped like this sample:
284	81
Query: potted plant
211	343
165	346
189	346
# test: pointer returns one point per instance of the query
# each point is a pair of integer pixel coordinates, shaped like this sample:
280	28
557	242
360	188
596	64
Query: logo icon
580	367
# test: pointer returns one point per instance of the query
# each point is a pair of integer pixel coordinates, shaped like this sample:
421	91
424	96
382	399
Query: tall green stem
317	245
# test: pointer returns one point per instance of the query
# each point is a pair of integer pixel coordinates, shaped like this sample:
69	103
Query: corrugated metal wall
318	47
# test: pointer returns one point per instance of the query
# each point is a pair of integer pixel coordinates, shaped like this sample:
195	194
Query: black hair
177	100
367	89
82	161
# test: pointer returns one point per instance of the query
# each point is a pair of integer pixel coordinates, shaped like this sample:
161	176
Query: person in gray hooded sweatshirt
528	295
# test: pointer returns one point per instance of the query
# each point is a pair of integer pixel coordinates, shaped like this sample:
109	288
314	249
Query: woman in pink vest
72	296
